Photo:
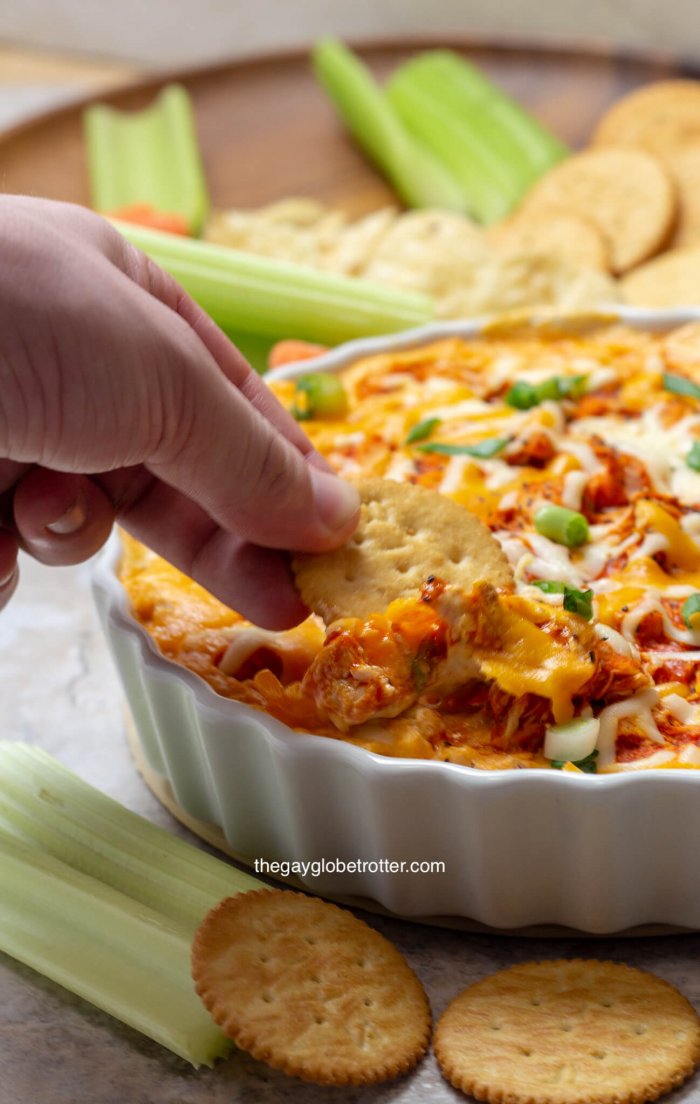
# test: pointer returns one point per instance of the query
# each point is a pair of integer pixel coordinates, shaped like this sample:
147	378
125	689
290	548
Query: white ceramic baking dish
520	847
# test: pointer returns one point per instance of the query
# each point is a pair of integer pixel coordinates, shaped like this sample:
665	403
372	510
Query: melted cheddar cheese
615	447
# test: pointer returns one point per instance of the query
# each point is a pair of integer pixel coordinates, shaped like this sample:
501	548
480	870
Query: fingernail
73	519
336	501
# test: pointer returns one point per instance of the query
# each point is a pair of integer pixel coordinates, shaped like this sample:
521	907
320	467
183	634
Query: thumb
241	468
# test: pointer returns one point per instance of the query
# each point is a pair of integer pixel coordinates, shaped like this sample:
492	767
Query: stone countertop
60	691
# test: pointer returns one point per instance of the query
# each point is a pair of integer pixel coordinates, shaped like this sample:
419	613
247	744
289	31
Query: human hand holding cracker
120	398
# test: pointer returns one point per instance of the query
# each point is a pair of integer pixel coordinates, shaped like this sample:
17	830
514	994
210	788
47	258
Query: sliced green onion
587	765
420	178
277	299
572	742
549	389
482	450
575	601
690	611
319	395
562	525
422	430
681	385
693	456
104	902
579	601
491	144
524	395
550	586
147	157
564	387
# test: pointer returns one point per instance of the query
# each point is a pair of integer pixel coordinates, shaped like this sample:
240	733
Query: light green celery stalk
418	176
491	144
256	350
104	902
50	808
275	299
513	130
150	156
121	956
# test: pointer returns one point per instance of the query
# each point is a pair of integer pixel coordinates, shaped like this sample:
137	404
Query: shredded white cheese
574	486
651	603
688	713
616	641
453	476
690	755
639	706
656	759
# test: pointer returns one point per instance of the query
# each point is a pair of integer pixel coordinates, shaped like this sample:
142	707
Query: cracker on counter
671	280
568	1032
310	989
626	193
553	230
406	533
659	117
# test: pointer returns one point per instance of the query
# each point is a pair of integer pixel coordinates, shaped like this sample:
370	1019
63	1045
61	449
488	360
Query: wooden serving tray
266	130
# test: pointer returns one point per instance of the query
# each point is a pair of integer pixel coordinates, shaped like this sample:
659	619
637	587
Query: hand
120	398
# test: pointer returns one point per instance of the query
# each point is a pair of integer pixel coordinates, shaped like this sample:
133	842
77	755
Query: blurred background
51	50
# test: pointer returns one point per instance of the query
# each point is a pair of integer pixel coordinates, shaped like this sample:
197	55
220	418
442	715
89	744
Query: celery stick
90	848
276	299
49	807
514	132
147	157
491	189
418	177
255	349
492	145
122	957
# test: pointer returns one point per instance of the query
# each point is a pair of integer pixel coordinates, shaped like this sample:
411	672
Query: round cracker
657	117
520	281
555	232
672	280
406	533
626	193
684	167
308	988
568	1032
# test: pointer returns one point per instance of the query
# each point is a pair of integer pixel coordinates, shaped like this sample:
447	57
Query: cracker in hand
405	535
